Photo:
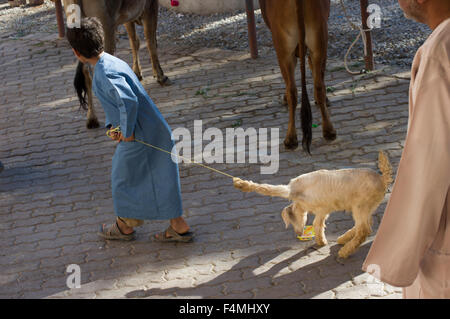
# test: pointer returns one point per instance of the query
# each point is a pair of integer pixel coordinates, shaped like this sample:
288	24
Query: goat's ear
285	217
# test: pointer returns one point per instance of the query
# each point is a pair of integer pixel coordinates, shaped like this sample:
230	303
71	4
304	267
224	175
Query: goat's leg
363	222
150	23
319	229
349	234
135	45
92	121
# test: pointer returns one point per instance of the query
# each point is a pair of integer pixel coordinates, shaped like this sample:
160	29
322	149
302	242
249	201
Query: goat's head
290	217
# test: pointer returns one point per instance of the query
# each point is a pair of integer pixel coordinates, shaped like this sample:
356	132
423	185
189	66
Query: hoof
92	123
328	103
291	144
164	81
340	260
330	135
138	74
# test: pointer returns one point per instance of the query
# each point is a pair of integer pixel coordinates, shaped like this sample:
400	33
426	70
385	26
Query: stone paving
55	189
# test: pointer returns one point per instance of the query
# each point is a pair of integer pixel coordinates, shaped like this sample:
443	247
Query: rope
360	34
117	129
364	39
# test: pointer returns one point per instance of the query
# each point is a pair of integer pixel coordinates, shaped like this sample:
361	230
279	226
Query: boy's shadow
305	282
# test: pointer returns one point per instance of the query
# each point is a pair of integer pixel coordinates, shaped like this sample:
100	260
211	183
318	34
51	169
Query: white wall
206	7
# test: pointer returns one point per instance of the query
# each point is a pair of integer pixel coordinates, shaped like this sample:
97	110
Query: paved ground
55	190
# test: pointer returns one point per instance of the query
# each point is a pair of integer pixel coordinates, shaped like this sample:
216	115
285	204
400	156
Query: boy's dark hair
88	38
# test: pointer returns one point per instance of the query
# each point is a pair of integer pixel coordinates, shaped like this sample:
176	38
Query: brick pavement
55	189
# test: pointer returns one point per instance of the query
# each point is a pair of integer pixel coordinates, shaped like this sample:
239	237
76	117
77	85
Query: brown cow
298	25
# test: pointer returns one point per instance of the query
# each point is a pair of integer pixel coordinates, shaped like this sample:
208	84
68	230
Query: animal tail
305	110
385	167
263	189
80	86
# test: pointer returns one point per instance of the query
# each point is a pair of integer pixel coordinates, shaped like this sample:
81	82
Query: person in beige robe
412	246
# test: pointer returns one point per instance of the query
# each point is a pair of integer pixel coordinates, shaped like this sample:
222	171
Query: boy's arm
127	103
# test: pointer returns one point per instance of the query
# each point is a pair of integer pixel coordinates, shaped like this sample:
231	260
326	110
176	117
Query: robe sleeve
126	101
413	213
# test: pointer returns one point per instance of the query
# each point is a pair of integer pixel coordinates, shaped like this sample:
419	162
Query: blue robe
145	182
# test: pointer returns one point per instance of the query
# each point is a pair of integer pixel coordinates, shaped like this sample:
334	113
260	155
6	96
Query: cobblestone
55	189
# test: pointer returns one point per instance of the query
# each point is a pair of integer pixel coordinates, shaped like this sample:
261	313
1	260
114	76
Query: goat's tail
263	189
385	167
80	86
305	110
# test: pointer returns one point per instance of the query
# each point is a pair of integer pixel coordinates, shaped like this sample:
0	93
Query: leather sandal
174	236
112	232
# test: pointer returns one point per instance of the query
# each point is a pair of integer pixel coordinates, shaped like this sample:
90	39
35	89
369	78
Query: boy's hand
116	136
129	139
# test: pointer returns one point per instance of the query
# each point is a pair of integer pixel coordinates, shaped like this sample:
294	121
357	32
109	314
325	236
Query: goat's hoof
164	81
330	135
340	260
291	143
92	123
140	77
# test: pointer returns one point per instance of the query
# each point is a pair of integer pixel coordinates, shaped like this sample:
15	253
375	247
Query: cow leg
150	22
135	45
92	121
318	64
109	30
287	67
311	67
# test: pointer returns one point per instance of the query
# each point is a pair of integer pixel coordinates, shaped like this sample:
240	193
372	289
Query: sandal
174	236
112	232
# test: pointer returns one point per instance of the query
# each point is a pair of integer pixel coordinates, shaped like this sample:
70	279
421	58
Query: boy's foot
170	235
112	232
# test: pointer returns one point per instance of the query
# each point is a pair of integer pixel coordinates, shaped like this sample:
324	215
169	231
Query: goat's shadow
306	282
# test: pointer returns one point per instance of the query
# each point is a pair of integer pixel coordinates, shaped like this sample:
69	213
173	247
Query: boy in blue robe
145	182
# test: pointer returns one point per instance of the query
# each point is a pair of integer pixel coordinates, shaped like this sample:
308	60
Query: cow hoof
165	81
291	144
92	123
330	135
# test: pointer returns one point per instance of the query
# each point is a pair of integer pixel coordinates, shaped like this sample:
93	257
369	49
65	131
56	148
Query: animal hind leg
150	23
315	97
318	63
287	67
363	221
346	237
135	45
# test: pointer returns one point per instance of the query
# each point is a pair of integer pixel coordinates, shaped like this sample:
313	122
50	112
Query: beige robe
412	246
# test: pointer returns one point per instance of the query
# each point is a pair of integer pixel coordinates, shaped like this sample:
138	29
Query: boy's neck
93	61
